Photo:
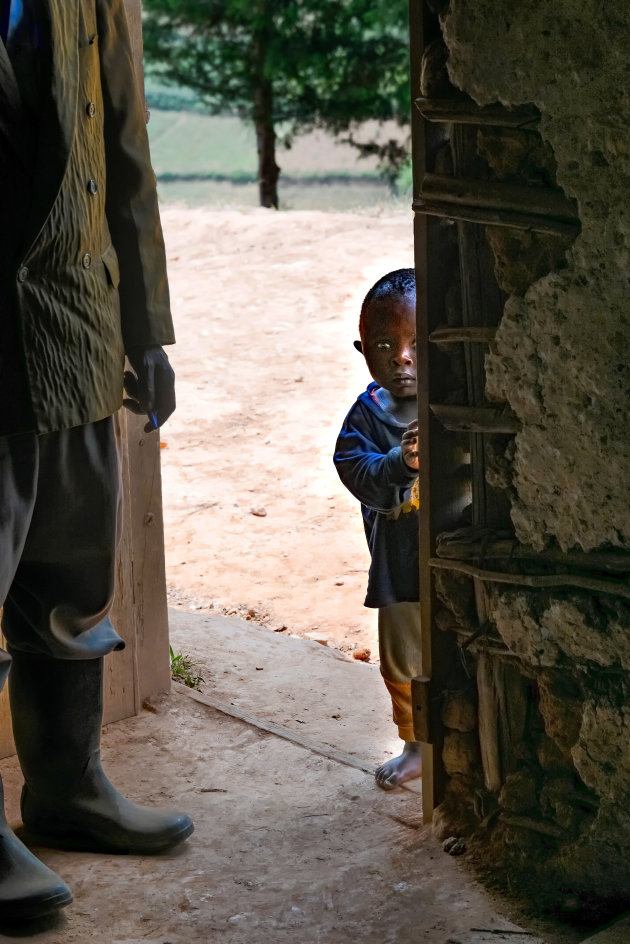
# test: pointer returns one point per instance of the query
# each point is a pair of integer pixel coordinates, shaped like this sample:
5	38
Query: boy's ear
358	347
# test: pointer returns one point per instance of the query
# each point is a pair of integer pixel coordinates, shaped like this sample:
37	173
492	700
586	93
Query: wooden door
458	202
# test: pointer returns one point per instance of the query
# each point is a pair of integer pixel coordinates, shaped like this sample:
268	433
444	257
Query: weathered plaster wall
575	631
562	357
578	647
561	360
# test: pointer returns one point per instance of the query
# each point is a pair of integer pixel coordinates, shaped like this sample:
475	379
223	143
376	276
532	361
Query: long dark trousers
59	513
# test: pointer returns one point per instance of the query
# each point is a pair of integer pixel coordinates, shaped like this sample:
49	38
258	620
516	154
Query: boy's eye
383	345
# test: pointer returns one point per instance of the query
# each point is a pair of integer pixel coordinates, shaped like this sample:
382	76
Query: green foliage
172	98
404	180
183	670
392	157
331	63
302	64
217	167
218	147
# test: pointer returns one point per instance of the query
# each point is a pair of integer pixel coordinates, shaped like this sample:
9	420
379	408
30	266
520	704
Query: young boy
377	460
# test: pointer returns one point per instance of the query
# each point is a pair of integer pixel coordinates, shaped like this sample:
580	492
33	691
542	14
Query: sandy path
266	306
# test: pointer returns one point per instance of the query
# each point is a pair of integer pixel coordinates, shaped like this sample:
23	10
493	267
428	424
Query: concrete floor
289	846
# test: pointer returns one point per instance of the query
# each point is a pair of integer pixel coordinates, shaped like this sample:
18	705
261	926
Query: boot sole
31	910
78	841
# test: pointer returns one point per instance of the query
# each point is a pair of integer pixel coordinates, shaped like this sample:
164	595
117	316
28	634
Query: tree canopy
295	64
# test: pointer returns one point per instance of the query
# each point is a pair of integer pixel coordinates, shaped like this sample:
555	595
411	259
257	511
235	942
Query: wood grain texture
120	698
7	745
148	570
489	724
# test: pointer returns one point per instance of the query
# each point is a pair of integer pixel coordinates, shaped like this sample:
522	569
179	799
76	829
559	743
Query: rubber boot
67	801
28	888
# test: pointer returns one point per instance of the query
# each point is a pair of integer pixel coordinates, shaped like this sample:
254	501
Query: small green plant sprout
183	670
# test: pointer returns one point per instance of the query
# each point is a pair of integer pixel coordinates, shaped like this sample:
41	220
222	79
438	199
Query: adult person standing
82	283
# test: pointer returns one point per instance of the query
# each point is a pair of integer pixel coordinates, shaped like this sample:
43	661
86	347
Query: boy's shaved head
401	283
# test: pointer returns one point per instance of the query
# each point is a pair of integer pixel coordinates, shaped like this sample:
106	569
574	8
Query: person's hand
409	445
151	388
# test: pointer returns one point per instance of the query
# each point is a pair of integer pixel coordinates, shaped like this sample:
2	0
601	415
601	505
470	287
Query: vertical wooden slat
120	671
449	255
140	612
145	546
431	775
442	498
120	686
482	304
148	569
489	745
416	45
7	745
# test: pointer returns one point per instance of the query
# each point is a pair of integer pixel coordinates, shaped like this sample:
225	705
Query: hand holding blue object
150	385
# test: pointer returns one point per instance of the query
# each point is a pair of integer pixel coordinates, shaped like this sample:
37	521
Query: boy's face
389	344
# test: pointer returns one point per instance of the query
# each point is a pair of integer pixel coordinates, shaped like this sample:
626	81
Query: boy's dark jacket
369	461
82	263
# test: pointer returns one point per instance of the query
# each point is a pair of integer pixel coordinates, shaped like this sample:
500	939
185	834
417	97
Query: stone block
459	713
460	753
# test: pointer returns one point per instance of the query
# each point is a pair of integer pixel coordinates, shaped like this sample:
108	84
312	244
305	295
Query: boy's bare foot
408	766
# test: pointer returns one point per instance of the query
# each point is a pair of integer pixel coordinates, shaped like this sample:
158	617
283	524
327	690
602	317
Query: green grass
215	147
210	160
183	669
171	97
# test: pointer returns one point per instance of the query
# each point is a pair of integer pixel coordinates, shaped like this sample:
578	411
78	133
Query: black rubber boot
28	888
67	801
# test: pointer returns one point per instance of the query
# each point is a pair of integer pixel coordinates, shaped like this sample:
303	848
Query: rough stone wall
562	356
577	650
561	359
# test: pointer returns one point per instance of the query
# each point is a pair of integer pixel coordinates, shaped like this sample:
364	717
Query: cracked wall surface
562	355
561	360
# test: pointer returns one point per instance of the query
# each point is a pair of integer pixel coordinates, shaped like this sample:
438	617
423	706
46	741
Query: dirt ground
290	846
266	308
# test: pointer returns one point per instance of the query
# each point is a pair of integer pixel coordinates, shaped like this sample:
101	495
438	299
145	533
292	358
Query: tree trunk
268	170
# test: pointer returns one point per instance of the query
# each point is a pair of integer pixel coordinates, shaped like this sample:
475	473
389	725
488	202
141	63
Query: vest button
23	274
86	261
92	187
90	109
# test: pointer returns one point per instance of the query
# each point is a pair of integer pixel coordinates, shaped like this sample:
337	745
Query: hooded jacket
368	459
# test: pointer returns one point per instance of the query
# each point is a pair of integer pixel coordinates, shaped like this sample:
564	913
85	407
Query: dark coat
368	458
82	262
